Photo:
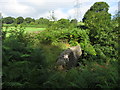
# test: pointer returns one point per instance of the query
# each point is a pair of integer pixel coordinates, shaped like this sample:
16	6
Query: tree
8	20
43	21
74	22
98	20
19	20
63	23
116	17
29	20
102	34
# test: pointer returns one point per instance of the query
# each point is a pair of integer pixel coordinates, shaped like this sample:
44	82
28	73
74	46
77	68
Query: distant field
27	29
33	29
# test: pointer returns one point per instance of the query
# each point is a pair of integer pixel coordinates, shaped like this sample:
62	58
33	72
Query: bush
19	59
72	36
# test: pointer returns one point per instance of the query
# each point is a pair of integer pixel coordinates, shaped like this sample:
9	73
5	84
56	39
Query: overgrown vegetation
29	59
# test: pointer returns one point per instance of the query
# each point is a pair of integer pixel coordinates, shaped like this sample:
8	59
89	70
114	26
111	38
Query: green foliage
20	59
63	23
43	22
29	58
116	16
19	20
8	20
99	6
73	23
72	36
60	24
14	46
29	20
98	20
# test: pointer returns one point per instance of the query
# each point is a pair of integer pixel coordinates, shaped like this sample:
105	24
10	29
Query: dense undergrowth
29	60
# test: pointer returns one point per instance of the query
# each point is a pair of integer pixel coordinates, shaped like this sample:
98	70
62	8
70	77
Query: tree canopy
29	20
98	20
19	20
102	34
8	20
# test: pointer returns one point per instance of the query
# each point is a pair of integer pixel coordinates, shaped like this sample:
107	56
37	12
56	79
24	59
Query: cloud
35	2
41	8
60	14
14	8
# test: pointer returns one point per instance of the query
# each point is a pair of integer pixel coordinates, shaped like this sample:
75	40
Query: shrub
72	36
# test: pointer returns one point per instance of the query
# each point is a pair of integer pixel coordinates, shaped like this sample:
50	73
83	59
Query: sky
43	8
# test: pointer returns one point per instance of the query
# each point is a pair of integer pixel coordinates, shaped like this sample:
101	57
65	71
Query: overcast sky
42	8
